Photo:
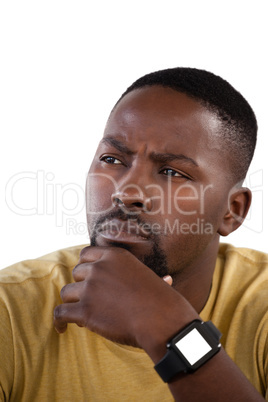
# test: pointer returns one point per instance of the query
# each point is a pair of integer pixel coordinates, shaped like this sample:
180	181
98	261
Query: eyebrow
158	157
118	145
170	157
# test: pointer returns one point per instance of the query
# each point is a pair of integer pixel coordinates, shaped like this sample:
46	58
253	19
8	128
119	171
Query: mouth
124	231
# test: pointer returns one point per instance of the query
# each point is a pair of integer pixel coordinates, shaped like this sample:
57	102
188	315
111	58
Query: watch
189	349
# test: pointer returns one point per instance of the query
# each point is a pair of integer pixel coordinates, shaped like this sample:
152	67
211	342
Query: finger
168	279
80	271
91	254
71	293
67	313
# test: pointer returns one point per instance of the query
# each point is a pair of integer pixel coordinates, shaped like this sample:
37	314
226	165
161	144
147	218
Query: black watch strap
174	365
213	330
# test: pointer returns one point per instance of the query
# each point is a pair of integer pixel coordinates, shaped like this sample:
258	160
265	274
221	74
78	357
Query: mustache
123	216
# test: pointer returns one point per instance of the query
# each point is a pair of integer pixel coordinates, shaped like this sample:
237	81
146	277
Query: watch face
193	346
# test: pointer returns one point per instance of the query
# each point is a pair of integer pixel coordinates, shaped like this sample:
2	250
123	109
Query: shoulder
241	283
33	280
239	286
32	288
227	251
240	309
39	268
243	262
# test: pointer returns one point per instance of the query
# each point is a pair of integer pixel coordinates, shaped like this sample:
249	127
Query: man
154	288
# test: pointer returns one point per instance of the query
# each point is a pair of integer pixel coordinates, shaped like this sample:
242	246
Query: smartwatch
189	349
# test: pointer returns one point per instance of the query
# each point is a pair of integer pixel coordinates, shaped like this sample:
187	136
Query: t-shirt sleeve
6	354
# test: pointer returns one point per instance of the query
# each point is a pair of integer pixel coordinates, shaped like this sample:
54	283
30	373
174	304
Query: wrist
192	347
154	336
155	342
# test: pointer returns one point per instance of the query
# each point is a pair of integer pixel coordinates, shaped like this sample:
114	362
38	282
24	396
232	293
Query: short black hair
239	124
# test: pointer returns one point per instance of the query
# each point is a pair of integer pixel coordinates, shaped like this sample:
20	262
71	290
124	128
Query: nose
132	200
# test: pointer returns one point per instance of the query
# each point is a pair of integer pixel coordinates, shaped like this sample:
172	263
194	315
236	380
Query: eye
174	173
171	173
111	160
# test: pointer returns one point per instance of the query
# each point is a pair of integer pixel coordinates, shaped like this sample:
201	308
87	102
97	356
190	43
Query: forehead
164	117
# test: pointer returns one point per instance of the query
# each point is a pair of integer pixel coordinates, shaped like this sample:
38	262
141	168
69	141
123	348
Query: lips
124	231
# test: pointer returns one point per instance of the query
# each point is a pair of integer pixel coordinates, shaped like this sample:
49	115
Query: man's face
158	184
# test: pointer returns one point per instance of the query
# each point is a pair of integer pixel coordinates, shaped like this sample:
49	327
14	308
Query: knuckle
81	271
83	252
91	253
63	291
86	254
58	313
75	270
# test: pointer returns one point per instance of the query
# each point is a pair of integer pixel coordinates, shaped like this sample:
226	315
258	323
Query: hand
118	297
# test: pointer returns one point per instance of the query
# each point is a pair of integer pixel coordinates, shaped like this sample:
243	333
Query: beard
156	259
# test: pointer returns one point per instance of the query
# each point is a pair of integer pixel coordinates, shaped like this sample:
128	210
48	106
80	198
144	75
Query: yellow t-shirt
37	364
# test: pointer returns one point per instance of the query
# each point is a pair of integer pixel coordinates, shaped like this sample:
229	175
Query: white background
63	66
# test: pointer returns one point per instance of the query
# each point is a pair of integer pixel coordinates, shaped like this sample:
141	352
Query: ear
239	203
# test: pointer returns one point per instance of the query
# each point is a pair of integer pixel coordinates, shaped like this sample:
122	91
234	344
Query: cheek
192	219
187	202
99	189
198	203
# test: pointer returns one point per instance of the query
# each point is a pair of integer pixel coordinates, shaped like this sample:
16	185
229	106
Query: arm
147	314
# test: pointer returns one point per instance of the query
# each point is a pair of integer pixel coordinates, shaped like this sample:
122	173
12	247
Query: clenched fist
118	297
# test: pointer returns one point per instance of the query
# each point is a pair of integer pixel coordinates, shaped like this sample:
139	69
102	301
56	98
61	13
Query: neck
194	283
